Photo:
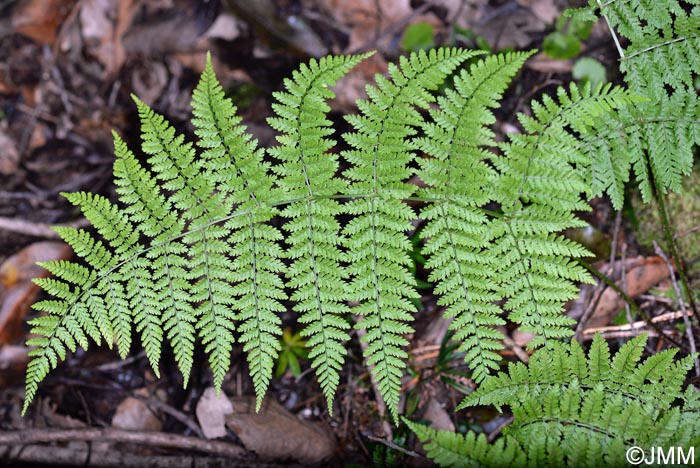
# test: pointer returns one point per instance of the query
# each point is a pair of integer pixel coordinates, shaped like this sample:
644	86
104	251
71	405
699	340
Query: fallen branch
158	439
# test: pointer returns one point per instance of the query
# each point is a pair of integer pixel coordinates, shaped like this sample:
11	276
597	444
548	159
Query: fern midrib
309	223
659	45
207	214
255	282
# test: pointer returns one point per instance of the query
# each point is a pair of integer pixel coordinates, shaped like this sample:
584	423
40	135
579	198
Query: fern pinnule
306	174
378	251
458	182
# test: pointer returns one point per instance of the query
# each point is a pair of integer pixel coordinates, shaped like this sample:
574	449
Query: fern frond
376	241
450	449
655	138
163	296
90	308
566	413
458	180
539	189
307	175
662	133
257	290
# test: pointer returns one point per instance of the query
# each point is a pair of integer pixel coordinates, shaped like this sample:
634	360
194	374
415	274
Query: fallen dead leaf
212	410
102	35
438	418
17	292
545	10
134	414
9	155
351	87
276	434
642	273
39	19
510	29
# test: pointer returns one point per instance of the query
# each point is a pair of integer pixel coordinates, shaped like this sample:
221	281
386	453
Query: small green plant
293	349
565	41
418	36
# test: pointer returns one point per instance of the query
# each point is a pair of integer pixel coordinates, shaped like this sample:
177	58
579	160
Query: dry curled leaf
641	274
39	19
212	410
134	414
17	292
276	434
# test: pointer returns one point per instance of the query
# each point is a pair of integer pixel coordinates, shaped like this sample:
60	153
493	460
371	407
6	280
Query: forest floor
68	71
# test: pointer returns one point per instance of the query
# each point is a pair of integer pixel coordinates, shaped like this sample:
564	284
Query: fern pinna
191	253
573	410
655	138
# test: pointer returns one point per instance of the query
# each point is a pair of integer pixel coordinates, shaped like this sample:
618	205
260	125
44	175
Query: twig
611	284
30	228
681	303
519	352
38	455
157	439
392	445
496	432
600	288
628	329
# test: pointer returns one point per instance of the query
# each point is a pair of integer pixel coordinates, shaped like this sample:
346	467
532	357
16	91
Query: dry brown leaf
438	418
276	434
17	292
367	19
134	414
642	273
39	19
9	155
513	29
545	10
212	410
351	87
544	64
102	35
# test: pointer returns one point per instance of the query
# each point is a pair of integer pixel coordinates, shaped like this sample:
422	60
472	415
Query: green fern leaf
306	174
539	189
244	178
458	181
564	415
378	250
449	449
